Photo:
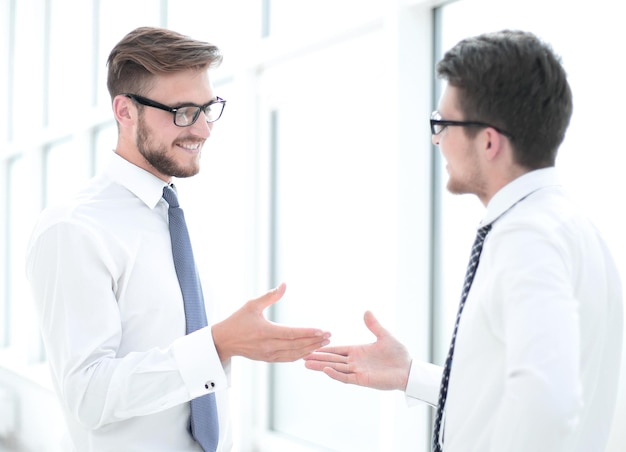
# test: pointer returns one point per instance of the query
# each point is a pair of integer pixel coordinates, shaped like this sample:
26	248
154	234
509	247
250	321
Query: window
344	171
21	326
70	79
66	166
299	20
335	223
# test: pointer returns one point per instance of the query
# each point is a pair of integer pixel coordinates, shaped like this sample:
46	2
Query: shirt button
209	385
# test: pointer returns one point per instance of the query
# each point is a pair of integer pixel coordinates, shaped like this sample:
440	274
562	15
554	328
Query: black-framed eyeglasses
437	125
186	114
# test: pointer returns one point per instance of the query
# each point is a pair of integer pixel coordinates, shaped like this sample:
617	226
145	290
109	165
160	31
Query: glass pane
305	19
70	81
21	216
335	190
5	263
106	140
5	91
28	68
66	166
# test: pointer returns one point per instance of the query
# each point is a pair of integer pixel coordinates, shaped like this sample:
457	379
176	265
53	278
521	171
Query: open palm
383	364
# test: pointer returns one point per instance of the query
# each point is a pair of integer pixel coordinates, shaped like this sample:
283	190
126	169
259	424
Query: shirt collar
518	189
138	181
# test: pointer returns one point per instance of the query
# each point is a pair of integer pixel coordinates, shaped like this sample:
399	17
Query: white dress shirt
538	350
113	322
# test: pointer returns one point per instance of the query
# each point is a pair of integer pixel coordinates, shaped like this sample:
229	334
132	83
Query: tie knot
170	196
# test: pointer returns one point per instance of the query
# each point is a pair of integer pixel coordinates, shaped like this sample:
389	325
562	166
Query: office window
6	57
66	167
297	20
105	143
334	227
69	50
5	290
22	326
28	70
344	158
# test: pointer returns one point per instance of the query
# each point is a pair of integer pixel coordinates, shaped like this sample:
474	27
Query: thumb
374	325
270	297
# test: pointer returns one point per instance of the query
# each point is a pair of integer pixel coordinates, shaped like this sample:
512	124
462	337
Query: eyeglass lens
435	127
186	116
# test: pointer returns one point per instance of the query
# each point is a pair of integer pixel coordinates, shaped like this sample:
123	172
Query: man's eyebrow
193	104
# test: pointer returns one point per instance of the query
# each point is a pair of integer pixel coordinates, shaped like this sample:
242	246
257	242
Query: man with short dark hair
534	360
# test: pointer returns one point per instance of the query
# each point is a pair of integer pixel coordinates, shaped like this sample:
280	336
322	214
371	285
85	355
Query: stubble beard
471	181
157	155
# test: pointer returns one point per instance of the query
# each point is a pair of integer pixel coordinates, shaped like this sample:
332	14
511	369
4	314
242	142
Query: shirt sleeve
534	285
424	382
73	276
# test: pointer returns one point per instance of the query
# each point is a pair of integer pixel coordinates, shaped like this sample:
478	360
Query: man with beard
128	371
534	358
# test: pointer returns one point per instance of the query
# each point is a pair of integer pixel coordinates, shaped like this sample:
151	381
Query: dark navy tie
204	422
437	442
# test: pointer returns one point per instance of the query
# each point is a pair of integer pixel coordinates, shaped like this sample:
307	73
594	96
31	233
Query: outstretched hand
249	334
383	364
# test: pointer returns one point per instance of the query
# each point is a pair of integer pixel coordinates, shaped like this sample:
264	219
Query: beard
468	177
157	155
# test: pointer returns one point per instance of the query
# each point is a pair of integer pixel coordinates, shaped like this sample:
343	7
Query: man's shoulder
98	193
99	204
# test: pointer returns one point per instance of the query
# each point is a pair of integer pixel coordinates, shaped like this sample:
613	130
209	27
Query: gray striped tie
204	422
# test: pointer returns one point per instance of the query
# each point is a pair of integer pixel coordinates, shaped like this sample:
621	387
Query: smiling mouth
191	147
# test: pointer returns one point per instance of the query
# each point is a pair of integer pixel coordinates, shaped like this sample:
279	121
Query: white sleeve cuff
424	382
199	363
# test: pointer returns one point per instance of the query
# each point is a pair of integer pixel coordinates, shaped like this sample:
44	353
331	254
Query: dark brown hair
147	51
514	81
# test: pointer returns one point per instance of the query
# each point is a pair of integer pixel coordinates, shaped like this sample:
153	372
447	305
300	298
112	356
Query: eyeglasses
437	125
187	114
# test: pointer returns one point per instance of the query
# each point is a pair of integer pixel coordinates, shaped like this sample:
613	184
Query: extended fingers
321	364
335	370
344	377
335	358
292	350
295	333
329	354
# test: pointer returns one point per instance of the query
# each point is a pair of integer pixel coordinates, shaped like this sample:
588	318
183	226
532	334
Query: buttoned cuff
199	364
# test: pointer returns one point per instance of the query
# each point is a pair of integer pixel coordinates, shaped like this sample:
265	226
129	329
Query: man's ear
124	110
493	143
